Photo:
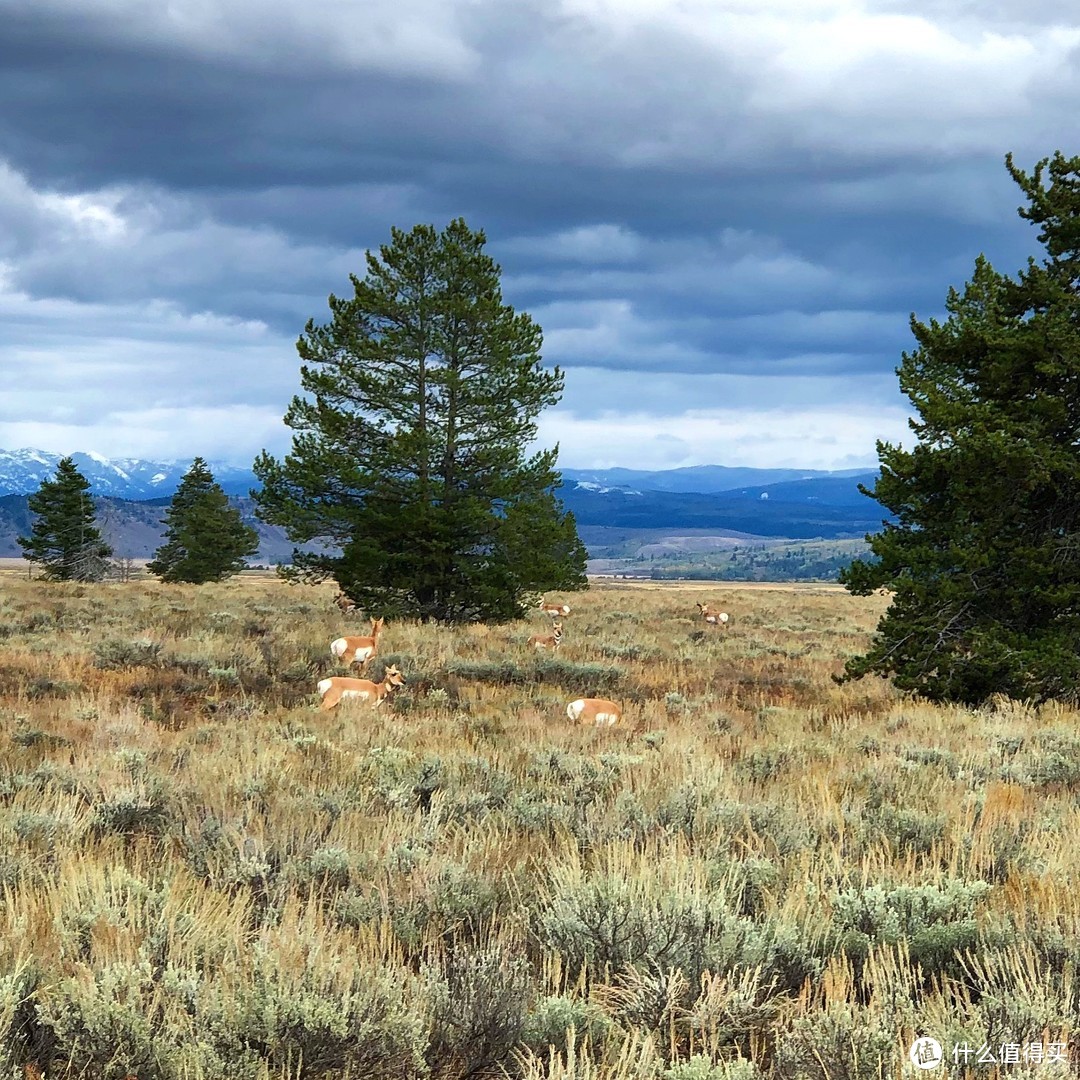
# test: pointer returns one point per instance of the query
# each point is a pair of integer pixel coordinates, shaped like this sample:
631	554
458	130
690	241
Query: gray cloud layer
721	213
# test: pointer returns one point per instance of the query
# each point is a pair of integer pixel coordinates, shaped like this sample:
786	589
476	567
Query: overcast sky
721	212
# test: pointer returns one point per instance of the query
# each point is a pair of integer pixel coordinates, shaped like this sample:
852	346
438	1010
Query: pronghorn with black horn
334	689
713	618
357	650
598	711
548	641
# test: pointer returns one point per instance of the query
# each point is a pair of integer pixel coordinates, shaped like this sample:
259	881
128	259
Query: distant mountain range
768	503
826	506
702	479
21	473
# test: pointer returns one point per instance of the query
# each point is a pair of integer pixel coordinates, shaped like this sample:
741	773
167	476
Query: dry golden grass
759	873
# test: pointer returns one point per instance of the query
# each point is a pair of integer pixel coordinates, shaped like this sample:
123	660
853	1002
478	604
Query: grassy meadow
760	873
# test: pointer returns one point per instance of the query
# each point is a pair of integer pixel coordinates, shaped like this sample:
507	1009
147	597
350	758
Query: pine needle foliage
205	539
983	553
410	454
64	538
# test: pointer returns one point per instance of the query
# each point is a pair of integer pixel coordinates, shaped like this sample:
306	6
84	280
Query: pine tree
63	536
205	539
410	450
983	555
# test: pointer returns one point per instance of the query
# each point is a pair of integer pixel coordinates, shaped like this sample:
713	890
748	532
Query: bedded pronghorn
357	650
556	611
591	710
548	641
714	618
334	689
347	606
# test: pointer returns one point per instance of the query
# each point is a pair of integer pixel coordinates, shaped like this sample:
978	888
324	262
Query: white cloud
600	243
415	37
656	420
811	438
232	433
727	84
90	374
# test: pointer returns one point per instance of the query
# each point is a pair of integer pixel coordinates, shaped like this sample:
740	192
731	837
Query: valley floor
761	873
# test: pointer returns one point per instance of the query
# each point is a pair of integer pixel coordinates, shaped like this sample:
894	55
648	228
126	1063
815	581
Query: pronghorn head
376	626
392	677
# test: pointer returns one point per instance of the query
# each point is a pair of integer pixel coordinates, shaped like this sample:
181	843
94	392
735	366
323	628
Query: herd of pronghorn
359	650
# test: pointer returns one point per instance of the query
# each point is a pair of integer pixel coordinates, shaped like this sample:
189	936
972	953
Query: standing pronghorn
556	611
548	641
357	650
713	618
591	710
334	689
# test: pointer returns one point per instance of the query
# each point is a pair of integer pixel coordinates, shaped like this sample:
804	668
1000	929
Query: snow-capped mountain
21	473
600	489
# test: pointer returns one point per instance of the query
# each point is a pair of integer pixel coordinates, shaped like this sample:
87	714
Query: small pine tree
63	537
205	539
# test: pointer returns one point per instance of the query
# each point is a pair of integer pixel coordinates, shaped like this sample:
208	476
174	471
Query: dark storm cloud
729	199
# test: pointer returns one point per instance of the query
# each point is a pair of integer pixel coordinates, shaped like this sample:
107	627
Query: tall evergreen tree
983	556
205	539
410	452
64	537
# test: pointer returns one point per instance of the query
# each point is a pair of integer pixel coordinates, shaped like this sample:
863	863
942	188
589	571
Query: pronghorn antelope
334	689
548	641
714	618
591	710
556	611
347	606
357	650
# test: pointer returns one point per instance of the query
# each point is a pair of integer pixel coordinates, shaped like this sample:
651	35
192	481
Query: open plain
759	872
